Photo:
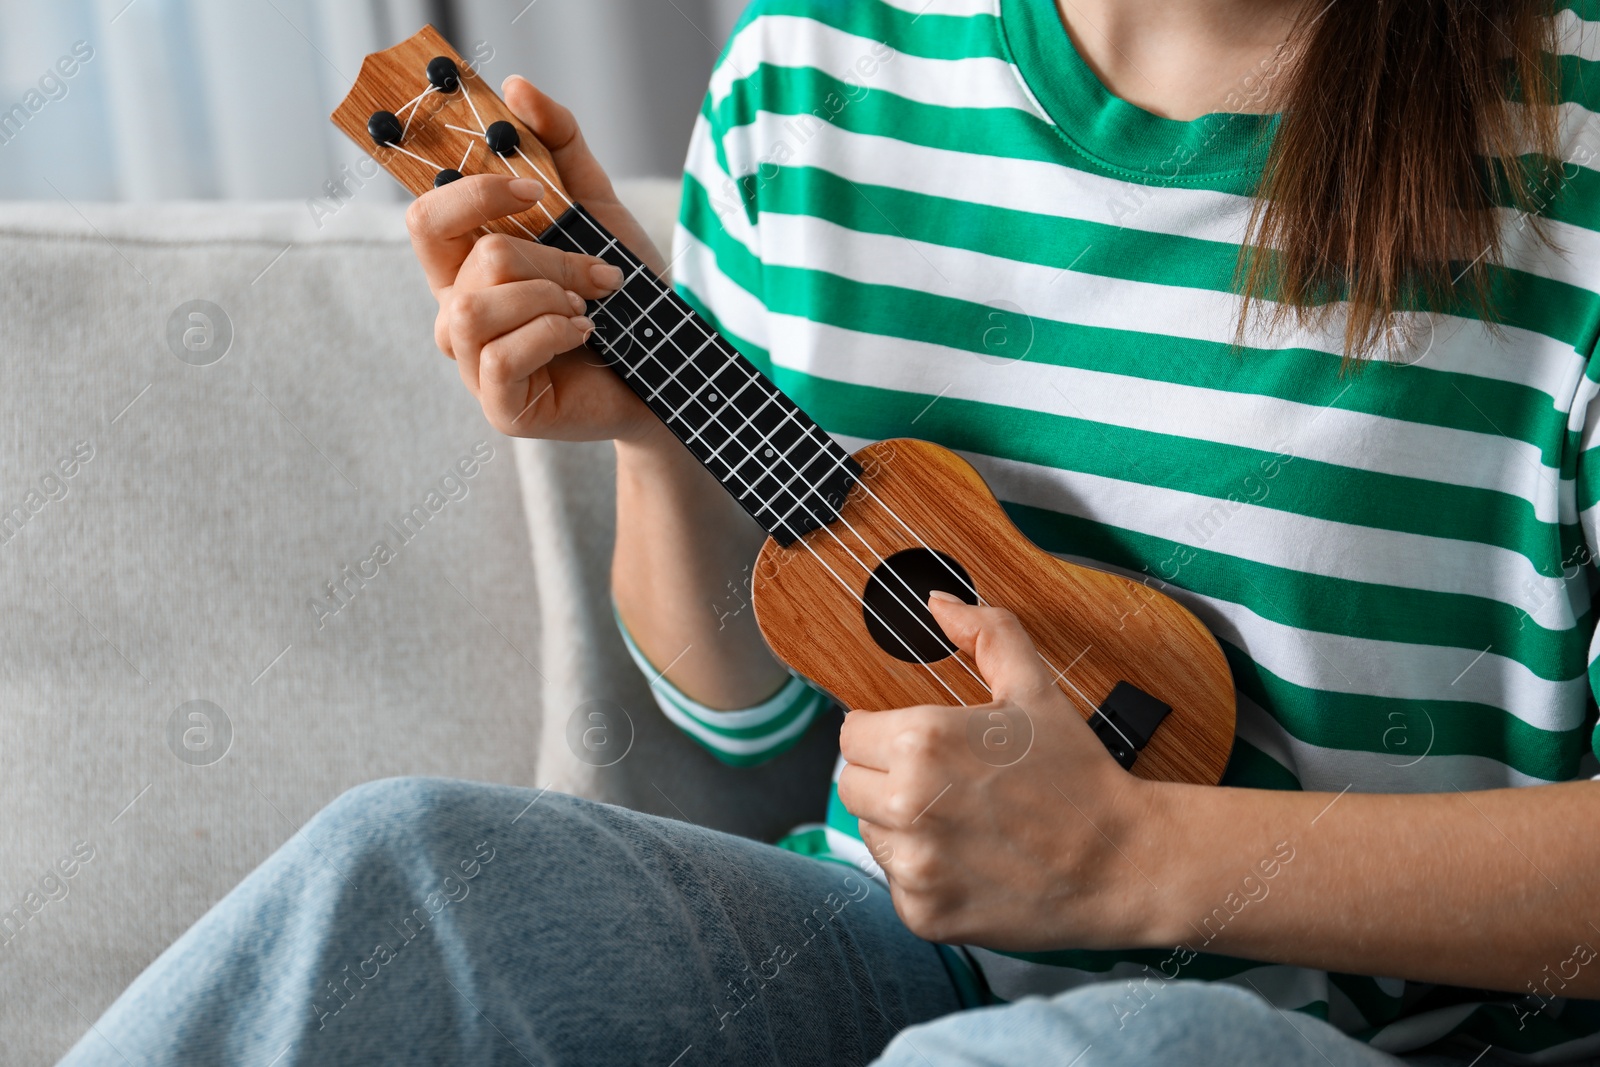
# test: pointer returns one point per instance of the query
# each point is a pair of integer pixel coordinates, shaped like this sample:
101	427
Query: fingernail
576	301
583	323
940	594
606	276
525	189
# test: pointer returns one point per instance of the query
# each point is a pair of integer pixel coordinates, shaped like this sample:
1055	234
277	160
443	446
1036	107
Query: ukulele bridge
1126	720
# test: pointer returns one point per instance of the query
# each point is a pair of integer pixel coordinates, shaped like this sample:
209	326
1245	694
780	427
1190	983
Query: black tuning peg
385	128
502	137
443	74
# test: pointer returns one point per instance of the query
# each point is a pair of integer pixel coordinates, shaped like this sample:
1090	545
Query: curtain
184	99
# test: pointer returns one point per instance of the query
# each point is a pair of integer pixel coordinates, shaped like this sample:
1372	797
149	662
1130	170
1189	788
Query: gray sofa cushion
179	688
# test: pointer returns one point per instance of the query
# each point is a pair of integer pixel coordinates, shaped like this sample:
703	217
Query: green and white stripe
740	738
931	220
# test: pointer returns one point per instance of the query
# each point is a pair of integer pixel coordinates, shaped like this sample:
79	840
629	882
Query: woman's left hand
1006	824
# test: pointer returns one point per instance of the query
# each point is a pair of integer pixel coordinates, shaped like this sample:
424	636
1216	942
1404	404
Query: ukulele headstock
424	114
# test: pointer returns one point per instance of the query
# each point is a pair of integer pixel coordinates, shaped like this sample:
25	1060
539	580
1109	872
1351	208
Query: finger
558	131
441	323
479	316
443	222
497	259
1005	654
866	794
877	738
509	389
880	841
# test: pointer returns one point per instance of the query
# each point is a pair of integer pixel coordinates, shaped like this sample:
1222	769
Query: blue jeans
420	921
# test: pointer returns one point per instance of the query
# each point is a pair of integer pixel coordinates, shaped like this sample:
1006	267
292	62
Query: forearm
1493	889
681	576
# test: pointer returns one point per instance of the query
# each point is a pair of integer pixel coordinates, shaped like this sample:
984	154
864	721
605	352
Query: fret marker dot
711	396
768	453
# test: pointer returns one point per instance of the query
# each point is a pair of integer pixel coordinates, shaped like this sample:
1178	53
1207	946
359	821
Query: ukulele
856	542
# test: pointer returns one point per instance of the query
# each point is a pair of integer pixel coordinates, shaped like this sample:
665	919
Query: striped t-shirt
928	218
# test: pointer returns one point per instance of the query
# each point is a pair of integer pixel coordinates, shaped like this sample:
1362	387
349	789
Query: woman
1015	227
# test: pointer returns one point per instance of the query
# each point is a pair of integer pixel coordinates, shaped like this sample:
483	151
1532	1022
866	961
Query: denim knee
392	821
1111	1007
385	802
1133	1022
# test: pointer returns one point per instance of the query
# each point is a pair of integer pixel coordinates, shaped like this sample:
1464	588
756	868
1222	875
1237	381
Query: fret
763	455
675	395
743	383
732	435
680	324
661	293
696	398
690	393
671	378
768	469
767	453
762	452
786	481
692	357
819	467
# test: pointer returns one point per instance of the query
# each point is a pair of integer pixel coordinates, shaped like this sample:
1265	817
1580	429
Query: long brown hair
1396	142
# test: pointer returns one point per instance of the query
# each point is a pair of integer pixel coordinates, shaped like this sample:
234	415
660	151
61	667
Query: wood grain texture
391	78
1095	627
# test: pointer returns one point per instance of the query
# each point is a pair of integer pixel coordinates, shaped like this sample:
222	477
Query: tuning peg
443	75
502	137
445	177
385	128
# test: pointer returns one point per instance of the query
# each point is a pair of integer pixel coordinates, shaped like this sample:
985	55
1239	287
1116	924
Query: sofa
257	546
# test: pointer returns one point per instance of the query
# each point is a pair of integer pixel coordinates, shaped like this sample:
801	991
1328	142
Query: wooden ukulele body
1095	628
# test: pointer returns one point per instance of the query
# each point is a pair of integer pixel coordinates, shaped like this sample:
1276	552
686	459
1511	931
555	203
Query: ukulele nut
443	74
502	138
385	128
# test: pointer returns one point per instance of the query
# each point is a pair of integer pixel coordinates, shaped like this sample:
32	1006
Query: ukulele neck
781	467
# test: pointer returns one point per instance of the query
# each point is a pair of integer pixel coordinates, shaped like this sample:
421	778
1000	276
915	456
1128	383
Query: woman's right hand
511	310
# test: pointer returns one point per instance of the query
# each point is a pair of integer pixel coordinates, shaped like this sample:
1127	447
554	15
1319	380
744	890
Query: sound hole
897	617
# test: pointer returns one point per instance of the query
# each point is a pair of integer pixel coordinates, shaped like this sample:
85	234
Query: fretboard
777	463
